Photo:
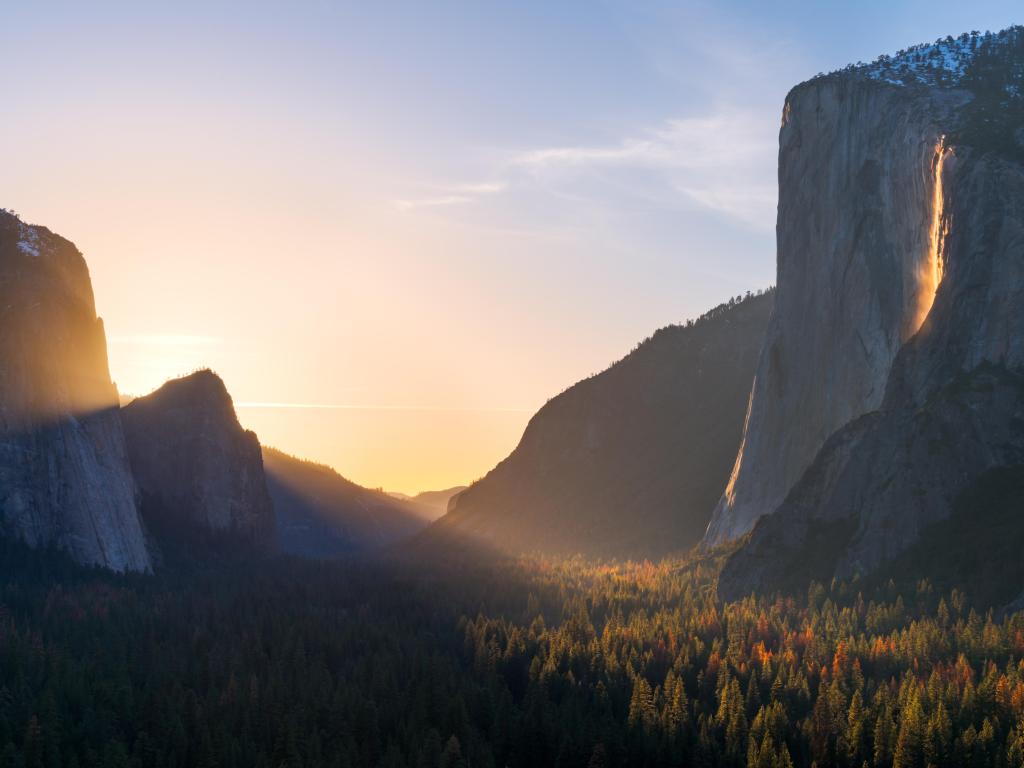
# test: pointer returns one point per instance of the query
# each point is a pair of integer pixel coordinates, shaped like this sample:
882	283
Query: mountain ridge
612	466
322	514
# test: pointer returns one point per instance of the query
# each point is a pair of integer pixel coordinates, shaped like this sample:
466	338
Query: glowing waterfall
930	274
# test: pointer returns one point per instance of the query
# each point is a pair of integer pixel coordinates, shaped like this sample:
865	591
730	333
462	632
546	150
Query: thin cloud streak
341	407
432	202
457	194
628	152
484	188
724	161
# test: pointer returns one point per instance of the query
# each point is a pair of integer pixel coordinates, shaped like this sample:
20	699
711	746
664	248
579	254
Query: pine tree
677	712
753	700
885	738
777	688
908	751
599	757
856	726
451	757
641	704
430	751
1015	747
938	736
732	714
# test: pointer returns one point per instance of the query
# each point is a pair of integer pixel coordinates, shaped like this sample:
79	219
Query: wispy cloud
723	140
451	194
483	188
723	161
628	152
431	202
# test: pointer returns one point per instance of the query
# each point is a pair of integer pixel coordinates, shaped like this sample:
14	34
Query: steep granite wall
198	470
856	199
953	404
65	480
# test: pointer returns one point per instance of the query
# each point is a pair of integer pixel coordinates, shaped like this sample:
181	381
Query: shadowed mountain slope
627	463
321	514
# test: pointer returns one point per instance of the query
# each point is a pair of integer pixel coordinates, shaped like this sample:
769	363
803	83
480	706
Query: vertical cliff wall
891	439
65	480
856	183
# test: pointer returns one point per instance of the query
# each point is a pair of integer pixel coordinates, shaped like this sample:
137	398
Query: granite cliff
65	480
891	376
199	472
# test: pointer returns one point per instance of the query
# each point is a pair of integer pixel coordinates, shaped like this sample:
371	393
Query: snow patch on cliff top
946	62
29	240
940	62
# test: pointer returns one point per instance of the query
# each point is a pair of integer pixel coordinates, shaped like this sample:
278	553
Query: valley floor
518	663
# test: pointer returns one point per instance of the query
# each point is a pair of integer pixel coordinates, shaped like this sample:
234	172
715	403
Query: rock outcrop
65	480
879	399
199	472
630	462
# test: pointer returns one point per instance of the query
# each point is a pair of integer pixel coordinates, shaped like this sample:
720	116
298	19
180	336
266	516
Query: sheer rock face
197	468
856	187
941	406
65	479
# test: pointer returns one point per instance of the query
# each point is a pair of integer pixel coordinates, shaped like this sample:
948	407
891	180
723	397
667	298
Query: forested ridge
519	663
629	462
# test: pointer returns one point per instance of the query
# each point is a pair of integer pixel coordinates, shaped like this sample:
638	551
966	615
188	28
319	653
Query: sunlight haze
396	230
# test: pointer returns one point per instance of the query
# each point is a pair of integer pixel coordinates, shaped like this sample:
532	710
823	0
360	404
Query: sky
396	229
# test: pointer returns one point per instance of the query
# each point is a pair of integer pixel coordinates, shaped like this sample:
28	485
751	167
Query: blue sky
416	205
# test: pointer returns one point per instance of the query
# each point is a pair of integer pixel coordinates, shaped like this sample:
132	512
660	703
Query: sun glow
931	271
140	363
